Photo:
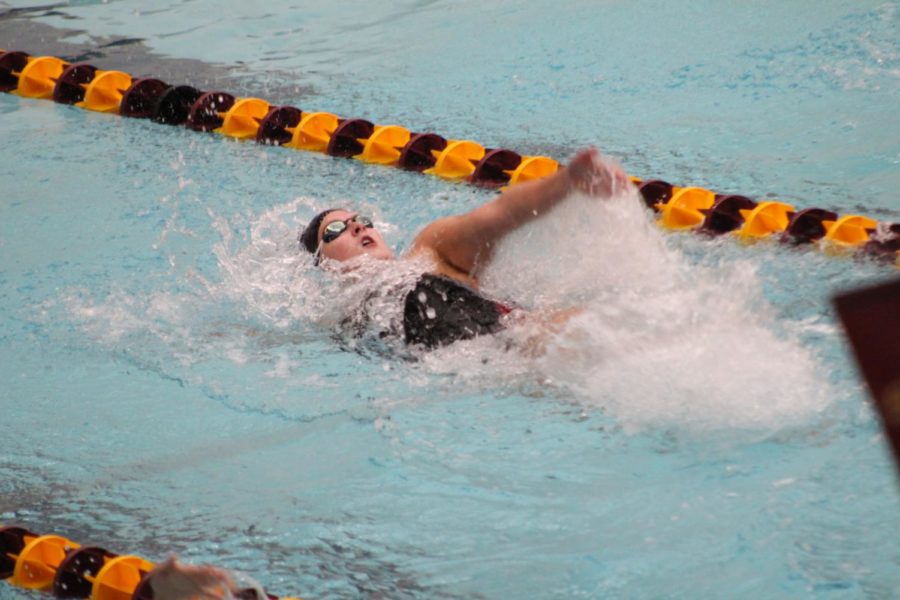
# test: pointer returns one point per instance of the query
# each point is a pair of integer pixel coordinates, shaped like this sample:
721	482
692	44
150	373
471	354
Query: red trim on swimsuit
502	308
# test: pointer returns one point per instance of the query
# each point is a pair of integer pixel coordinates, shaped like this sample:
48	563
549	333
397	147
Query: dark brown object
655	191
416	154
871	318
806	226
69	88
11	62
345	139
70	580
174	106
725	214
141	100
490	170
273	128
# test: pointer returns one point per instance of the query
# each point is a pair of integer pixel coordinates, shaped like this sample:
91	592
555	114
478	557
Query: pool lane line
677	208
54	564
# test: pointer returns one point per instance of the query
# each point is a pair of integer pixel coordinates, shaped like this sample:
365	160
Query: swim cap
309	237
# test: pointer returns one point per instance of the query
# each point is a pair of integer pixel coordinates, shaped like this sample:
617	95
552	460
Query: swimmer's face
355	240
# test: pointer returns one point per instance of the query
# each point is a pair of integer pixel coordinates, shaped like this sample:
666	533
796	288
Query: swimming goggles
334	229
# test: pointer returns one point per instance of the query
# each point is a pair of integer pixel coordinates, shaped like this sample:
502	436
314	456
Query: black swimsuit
440	311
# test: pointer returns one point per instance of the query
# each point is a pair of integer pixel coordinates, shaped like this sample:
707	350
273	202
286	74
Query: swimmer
445	305
174	580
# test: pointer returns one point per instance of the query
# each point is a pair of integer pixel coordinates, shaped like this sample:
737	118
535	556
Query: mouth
367	241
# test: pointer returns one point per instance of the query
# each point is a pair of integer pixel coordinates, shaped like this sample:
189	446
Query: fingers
596	175
590	174
590	153
584	159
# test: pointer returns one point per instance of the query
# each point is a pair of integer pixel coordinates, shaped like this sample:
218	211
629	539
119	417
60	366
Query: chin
377	251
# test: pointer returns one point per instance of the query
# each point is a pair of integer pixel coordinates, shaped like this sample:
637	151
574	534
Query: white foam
661	341
268	275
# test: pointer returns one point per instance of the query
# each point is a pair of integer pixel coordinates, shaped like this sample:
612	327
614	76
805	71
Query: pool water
175	377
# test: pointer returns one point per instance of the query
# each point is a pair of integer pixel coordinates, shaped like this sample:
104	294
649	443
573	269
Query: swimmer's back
440	311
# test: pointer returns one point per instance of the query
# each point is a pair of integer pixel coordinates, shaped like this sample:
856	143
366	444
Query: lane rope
51	563
677	208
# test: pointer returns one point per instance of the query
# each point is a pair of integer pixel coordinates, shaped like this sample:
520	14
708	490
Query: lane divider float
698	209
678	208
51	563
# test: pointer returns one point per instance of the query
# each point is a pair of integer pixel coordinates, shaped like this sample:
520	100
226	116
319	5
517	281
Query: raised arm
462	242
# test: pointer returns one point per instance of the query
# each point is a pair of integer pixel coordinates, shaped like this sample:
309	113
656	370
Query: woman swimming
445	306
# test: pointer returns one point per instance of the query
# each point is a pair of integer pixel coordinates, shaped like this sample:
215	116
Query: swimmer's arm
464	241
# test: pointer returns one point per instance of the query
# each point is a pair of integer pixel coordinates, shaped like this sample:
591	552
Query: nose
356	227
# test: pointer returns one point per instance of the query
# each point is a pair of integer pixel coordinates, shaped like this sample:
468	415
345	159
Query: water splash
656	340
659	341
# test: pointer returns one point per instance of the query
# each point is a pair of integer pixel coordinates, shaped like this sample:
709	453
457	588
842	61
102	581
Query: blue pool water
173	380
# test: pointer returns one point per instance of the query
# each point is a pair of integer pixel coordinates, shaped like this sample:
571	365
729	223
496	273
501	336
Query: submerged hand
595	175
173	580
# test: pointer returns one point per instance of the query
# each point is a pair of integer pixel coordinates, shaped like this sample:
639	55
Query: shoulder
424	248
429	240
432	234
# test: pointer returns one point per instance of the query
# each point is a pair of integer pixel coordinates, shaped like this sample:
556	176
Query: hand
593	174
173	580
